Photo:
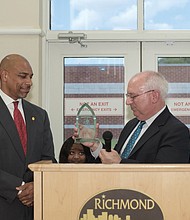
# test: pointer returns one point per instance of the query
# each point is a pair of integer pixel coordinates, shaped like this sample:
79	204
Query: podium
104	192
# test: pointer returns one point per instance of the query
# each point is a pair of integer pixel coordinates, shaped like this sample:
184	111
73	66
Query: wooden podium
61	190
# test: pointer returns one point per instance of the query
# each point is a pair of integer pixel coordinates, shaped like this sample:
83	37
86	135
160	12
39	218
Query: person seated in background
72	152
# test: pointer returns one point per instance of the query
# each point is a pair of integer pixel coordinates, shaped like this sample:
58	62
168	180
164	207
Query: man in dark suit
16	180
163	138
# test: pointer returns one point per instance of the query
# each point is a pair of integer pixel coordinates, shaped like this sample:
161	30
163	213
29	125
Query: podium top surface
47	166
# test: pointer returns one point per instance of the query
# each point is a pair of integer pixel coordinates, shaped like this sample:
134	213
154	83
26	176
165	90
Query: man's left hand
109	157
27	194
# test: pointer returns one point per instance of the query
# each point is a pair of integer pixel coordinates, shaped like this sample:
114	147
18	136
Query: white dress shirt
9	103
144	128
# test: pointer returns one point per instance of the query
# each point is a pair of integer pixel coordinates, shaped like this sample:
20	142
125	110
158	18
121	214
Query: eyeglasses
132	97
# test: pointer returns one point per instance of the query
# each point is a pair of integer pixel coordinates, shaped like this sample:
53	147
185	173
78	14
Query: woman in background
72	152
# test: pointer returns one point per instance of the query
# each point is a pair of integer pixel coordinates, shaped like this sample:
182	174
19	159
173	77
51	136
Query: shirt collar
150	120
7	99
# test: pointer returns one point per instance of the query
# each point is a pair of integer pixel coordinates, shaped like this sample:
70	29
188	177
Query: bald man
16	180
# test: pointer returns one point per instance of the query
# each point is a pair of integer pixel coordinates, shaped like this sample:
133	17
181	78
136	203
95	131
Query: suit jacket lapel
30	118
8	123
125	133
152	130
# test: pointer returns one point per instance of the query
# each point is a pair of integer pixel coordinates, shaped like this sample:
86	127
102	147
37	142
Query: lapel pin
33	118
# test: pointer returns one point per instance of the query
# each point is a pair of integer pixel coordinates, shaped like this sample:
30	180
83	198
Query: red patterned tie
21	127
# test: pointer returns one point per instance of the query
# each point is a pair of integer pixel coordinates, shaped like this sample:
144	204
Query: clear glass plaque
86	124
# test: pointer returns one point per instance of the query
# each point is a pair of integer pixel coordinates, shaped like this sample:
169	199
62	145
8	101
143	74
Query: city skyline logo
121	204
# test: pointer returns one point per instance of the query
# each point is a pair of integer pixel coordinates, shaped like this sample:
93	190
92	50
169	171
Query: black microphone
107	136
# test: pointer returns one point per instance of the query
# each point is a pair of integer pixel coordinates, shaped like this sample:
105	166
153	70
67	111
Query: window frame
125	35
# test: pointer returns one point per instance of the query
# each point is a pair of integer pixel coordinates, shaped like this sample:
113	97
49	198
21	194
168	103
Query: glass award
86	124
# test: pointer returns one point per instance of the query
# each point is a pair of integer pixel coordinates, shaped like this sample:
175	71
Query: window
167	15
98	81
119	15
177	72
93	15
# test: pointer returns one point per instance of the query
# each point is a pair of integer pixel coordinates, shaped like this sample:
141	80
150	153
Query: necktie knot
15	104
142	123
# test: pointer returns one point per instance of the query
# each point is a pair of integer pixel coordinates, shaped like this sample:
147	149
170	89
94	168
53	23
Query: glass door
97	75
173	60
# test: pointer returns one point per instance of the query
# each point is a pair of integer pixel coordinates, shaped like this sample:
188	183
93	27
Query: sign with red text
179	106
100	106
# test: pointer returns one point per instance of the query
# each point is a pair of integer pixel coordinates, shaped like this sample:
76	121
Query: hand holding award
86	124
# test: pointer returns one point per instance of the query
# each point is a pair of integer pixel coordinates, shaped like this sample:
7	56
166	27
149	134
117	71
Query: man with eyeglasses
154	135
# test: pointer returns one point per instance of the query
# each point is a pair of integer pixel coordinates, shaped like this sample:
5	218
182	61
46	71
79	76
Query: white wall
20	32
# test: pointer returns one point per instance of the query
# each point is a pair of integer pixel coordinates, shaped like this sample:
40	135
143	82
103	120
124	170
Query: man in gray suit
162	139
16	180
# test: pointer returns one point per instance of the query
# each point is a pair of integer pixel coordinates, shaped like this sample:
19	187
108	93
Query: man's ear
155	96
3	75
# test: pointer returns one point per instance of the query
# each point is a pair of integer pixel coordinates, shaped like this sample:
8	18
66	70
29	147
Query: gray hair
155	81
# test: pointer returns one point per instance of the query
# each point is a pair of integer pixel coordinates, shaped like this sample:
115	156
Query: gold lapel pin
33	118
